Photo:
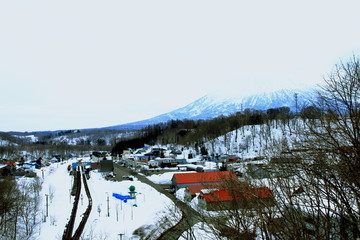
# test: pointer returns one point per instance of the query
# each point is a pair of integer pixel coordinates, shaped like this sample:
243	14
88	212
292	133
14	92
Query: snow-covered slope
211	106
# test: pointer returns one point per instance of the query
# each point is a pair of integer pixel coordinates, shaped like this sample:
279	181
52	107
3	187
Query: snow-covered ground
150	205
121	218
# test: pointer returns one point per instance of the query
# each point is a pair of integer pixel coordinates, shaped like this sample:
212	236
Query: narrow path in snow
70	225
86	215
189	217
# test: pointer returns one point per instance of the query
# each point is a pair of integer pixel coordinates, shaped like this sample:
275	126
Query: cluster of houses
215	182
20	168
221	190
14	169
158	157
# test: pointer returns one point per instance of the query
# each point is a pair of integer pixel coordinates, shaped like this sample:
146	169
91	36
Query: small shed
257	171
106	166
229	158
95	165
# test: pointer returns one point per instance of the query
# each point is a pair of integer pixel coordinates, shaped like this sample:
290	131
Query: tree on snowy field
8	201
29	208
338	131
19	215
322	200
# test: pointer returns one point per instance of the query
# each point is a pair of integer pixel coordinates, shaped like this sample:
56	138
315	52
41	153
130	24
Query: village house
7	168
182	180
228	158
242	198
3	169
192	190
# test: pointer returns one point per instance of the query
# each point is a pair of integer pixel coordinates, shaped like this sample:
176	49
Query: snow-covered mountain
211	106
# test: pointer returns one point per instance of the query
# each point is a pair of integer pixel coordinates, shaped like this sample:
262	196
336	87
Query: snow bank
164	178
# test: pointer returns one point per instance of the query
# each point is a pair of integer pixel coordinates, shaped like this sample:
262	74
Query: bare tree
19	209
8	201
327	206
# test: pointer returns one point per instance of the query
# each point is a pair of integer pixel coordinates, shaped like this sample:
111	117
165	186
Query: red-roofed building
7	168
182	180
192	190
11	164
240	198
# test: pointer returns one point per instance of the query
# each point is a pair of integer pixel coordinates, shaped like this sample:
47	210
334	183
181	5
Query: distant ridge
211	106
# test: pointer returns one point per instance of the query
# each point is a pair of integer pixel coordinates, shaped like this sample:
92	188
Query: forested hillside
197	132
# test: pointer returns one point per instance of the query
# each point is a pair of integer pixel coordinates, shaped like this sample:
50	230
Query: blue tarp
31	164
121	197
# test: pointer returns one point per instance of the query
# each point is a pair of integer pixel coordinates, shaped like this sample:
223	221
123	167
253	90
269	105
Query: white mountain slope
211	106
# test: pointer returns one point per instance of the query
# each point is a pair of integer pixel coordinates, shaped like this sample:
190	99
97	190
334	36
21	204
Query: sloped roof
12	164
2	165
204	177
193	189
246	194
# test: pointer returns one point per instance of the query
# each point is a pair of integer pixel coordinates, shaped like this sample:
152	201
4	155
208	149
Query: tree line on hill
47	144
190	132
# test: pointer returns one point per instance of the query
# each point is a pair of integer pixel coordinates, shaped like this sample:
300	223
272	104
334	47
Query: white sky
80	64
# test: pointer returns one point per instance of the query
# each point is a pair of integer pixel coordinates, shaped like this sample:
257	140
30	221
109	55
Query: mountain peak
220	103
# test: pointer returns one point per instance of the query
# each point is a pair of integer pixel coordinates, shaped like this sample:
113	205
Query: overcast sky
82	64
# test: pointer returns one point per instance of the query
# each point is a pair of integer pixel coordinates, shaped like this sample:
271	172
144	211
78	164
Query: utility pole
47	205
132	215
108	212
117	212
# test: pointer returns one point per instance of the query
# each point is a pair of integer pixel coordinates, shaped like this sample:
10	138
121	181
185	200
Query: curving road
190	216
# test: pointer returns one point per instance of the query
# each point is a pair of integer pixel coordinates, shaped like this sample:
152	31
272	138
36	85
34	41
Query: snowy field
110	218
